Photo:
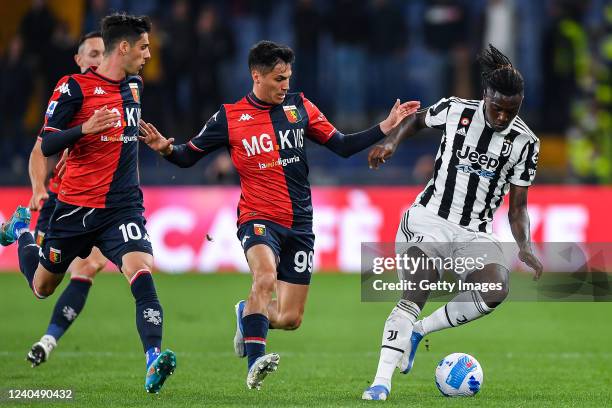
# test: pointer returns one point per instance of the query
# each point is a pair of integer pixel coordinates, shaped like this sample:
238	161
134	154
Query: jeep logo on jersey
475	157
289	139
292	113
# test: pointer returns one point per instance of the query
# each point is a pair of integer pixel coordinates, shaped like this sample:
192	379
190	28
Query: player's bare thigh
262	263
88	267
136	261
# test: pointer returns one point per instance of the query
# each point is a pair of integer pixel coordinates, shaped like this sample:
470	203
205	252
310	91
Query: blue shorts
294	248
73	231
44	216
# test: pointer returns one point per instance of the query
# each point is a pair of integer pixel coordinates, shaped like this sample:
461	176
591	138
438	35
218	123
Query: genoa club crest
135	94
259	229
55	255
292	113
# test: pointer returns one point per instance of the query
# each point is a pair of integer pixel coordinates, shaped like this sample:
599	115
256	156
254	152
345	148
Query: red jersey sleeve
319	129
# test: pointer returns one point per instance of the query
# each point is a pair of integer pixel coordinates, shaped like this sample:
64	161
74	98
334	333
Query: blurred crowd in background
353	58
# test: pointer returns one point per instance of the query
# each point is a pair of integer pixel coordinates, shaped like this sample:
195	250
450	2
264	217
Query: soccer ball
459	375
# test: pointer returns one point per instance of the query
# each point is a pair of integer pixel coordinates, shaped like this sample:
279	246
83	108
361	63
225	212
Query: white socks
395	340
465	307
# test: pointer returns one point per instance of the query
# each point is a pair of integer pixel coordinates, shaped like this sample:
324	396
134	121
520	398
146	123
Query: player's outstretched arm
54	142
37	167
155	140
180	155
519	224
347	145
408	127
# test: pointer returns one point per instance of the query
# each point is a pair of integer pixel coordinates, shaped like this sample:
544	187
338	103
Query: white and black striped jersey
475	165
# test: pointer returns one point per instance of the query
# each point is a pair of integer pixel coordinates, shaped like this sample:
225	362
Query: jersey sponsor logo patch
63	88
292	113
264	143
245	117
99	91
259	229
283	162
466	168
50	109
464	121
474	157
55	255
135	94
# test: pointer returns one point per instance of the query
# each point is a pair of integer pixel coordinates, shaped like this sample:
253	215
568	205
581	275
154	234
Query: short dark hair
85	37
121	26
264	56
498	73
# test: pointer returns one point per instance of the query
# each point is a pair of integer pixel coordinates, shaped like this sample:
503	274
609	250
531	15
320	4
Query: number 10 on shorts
131	231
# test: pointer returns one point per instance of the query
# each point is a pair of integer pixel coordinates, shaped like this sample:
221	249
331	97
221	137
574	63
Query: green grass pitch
533	354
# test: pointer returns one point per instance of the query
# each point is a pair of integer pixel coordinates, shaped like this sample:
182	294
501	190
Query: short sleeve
436	114
525	169
213	135
66	100
319	128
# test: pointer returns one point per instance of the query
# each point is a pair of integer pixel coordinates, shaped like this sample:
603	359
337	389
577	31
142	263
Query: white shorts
449	246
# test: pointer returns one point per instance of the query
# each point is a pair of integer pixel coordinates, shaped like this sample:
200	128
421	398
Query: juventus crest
506	148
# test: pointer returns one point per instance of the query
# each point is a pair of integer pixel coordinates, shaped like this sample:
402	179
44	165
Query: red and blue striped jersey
266	144
102	168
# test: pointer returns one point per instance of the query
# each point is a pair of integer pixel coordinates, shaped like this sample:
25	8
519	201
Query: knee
90	268
132	264
292	321
43	289
494	298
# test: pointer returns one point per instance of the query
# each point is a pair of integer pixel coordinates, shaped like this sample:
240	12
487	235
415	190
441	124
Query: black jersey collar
93	71
258	103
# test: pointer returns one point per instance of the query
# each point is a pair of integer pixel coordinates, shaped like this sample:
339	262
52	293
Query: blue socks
255	332
28	256
68	306
149	313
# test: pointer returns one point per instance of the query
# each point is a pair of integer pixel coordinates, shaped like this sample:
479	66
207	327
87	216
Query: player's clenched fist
102	119
37	199
154	139
379	154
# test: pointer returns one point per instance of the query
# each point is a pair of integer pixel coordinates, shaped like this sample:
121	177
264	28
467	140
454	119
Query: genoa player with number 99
264	133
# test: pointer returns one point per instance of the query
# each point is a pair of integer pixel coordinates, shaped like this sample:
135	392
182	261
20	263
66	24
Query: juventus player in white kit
486	152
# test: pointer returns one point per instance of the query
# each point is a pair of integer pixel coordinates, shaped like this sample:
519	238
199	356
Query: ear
256	75
124	47
77	59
